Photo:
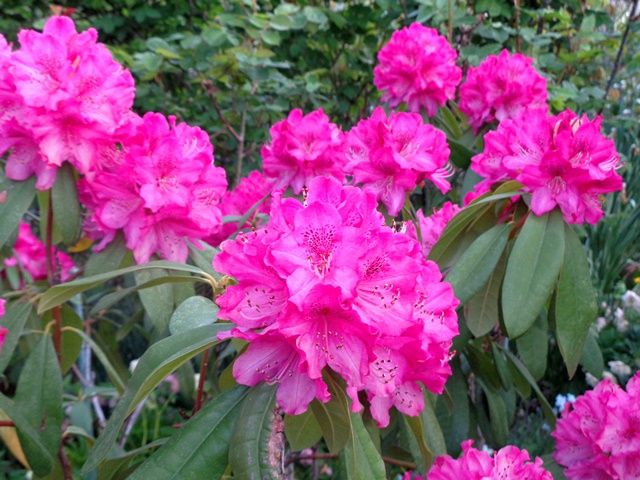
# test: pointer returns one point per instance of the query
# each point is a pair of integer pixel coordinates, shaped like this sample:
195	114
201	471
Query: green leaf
200	449
455	418
117	464
203	257
194	312
361	459
533	347
161	359
59	294
39	397
157	300
71	343
257	444
302	431
15	318
591	359
108	259
20	195
67	214
333	416
474	268
532	271
40	458
483	309
483	366
575	302
497	413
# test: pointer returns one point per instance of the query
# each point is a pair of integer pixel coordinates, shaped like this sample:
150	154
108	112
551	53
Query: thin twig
240	157
67	471
95	401
203	375
131	422
209	88
625	35
7	423
399	463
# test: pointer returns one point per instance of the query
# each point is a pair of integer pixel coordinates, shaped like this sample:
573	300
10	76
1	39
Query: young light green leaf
200	449
20	195
474	268
575	302
302	431
532	271
361	459
194	312
15	318
161	359
66	207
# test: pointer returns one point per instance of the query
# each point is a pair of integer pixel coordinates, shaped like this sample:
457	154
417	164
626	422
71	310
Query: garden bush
320	240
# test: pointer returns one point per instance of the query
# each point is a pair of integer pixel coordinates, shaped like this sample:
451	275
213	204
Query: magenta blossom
598	436
327	285
431	227
63	98
501	87
3	331
563	161
391	156
418	67
302	147
159	187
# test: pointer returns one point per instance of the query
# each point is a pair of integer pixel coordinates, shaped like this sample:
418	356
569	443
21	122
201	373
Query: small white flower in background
591	380
631	299
562	400
486	448
133	364
620	369
621	323
601	322
610	376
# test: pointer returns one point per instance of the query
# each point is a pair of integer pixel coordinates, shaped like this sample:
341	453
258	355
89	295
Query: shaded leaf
533	347
483	309
20	195
66	207
361	459
15	318
302	431
194	312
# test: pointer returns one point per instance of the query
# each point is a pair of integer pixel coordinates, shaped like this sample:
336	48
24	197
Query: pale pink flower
418	67
326	285
598	436
431	227
391	156
562	161
161	190
302	147
501	87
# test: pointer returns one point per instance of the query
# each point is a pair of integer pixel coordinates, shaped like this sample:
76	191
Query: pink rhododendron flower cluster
502	86
598	436
30	255
327	284
250	190
563	161
3	331
302	147
159	186
431	227
391	155
418	67
62	97
508	463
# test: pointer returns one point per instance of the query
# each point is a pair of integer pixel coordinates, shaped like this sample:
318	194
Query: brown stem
52	277
399	463
67	471
7	423
616	63
204	365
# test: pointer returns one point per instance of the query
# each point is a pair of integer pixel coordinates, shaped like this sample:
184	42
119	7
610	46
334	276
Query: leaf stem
204	365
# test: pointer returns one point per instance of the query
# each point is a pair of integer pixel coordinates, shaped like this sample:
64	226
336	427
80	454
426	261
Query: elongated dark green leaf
71	343
532	271
157	300
497	413
454	418
15	318
200	449
333	417
474	268
108	259
361	459
59	294
482	311
257	444
483	366
112	467
158	361
302	431
591	359
66	207
39	396
40	458
194	312
533	347
418	442
20	195
575	302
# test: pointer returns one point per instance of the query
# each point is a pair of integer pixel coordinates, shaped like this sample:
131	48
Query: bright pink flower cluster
302	147
431	227
30	255
62	97
501	87
418	67
508	463
3	331
250	190
391	155
563	161
598	436
327	284
159	186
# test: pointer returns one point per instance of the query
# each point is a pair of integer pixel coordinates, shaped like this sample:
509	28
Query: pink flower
326	285
563	161
508	463
30	254
302	147
598	436
418	67
431	227
3	304
159	187
501	87
3	330
64	97
390	156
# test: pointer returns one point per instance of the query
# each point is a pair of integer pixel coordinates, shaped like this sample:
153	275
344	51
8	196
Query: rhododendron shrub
598	435
310	296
